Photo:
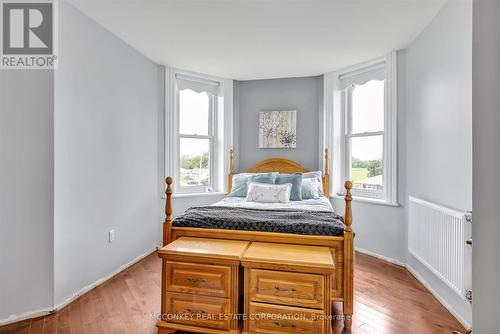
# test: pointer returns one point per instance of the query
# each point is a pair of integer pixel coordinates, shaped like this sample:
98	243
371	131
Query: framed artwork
278	129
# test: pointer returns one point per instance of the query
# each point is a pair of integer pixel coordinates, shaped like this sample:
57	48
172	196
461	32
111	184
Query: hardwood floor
387	300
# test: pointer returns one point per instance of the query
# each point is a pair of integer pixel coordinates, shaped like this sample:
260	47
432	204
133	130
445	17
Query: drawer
209	312
201	279
294	289
276	319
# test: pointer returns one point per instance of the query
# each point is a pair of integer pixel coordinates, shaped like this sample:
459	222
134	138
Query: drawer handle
285	289
190	310
285	325
197	280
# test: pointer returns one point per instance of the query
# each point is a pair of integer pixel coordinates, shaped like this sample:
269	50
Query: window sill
204	194
367	200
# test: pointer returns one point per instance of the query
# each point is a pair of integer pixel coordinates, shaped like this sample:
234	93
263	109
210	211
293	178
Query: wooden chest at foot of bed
201	285
287	288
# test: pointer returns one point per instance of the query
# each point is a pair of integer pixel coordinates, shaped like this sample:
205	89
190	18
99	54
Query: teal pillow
240	182
310	188
295	180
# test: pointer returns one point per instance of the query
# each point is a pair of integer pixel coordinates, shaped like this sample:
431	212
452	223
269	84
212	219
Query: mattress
319	204
307	217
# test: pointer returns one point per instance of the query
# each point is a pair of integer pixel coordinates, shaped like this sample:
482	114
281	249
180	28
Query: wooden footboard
336	245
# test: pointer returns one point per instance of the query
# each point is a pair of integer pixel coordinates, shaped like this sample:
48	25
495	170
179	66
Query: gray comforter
281	221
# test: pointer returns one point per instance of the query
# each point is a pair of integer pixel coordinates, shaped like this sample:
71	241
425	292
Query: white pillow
268	193
318	175
311	188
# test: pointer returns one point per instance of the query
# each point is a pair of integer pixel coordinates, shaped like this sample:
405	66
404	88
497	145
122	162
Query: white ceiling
255	39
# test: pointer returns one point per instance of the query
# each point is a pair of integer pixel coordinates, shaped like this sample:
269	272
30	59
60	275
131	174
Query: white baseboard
49	310
91	286
378	256
438	297
419	278
27	315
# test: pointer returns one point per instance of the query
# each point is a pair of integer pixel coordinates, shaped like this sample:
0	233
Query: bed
305	217
307	222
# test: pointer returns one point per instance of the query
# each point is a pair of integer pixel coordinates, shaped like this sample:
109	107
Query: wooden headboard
281	165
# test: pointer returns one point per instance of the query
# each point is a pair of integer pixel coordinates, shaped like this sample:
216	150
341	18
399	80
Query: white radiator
437	237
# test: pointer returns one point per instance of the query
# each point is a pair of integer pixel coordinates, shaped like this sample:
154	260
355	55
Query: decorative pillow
295	180
310	188
318	175
268	193
240	181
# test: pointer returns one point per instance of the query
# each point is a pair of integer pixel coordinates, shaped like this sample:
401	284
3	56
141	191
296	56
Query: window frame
349	135
212	154
336	113
223	137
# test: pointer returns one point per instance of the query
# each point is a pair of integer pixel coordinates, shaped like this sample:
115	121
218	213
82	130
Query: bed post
231	171
348	259
326	176
167	225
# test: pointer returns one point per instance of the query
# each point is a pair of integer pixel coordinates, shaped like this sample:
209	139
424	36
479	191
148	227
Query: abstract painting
278	129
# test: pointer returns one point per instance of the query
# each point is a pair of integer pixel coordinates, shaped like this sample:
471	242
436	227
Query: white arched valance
198	85
361	76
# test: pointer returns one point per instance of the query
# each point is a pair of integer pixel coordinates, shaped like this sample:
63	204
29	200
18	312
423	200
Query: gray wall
380	230
439	74
26	191
486	191
301	94
439	114
106	151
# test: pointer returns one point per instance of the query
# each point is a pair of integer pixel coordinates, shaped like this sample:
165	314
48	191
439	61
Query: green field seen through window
359	174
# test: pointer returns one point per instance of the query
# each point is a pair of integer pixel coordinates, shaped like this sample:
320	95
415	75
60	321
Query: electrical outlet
111	236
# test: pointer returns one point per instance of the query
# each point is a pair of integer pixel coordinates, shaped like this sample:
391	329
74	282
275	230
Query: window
369	135
198	131
365	138
196	105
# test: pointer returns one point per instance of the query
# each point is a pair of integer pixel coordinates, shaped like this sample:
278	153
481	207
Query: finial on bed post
348	258
167	225
326	176
231	171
